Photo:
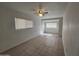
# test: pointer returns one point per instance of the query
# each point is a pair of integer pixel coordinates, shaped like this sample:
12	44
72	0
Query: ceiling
55	9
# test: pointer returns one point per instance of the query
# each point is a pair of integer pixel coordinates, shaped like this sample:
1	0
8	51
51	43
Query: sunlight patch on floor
47	34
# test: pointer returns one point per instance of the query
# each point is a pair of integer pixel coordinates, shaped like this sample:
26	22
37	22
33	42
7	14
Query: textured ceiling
55	9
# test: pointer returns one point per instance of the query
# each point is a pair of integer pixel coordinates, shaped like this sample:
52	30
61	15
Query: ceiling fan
40	11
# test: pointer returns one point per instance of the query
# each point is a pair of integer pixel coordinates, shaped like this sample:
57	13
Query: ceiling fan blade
46	12
33	9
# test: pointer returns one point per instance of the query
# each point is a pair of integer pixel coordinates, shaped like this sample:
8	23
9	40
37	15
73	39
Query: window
51	25
23	23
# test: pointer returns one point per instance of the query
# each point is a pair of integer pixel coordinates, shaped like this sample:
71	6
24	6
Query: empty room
39	28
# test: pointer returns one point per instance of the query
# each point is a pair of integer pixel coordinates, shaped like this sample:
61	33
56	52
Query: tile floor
42	45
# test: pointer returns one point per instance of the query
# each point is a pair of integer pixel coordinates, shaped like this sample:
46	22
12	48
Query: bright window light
51	25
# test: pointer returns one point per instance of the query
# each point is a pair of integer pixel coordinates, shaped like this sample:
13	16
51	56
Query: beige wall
9	37
71	30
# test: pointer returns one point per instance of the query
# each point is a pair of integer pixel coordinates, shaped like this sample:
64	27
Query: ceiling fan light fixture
40	11
40	14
